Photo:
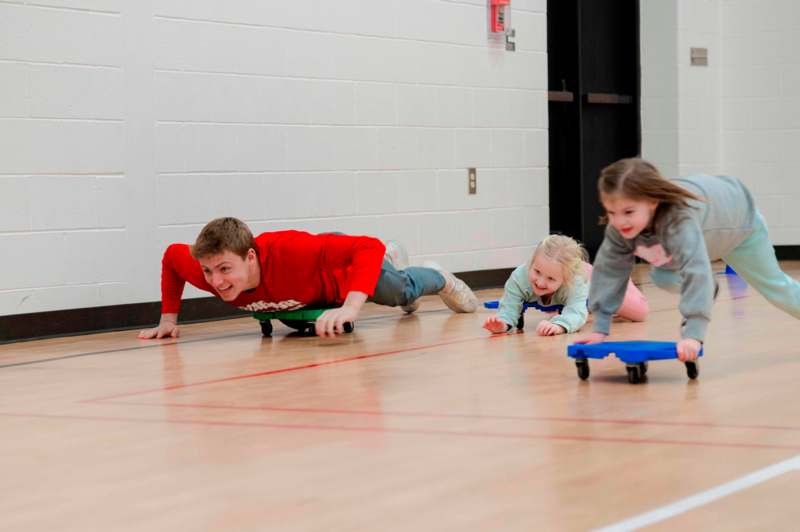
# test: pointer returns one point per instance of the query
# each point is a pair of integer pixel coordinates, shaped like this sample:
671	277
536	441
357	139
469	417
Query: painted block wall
738	116
127	125
699	87
760	102
659	83
681	131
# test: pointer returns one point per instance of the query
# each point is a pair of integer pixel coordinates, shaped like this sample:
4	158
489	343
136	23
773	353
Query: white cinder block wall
761	107
738	116
680	102
659	83
699	88
126	125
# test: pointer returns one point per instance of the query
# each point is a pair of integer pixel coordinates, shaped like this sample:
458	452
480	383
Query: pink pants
634	307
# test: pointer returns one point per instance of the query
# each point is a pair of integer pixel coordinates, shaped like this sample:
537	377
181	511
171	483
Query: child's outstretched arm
515	292
610	274
697	285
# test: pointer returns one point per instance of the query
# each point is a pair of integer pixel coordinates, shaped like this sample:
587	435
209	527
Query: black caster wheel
521	322
635	373
307	328
583	368
266	328
348	327
643	368
692	371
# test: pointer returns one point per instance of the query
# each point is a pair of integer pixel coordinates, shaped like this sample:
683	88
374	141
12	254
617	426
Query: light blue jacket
518	290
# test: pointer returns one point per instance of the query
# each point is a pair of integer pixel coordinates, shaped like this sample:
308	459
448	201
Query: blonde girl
557	274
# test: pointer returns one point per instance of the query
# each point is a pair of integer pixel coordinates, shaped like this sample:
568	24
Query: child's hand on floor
687	349
592	338
548	328
331	322
495	325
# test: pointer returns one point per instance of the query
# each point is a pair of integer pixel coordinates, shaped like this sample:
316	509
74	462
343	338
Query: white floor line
705	497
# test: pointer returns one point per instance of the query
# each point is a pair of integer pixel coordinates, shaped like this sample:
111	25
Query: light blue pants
754	260
403	287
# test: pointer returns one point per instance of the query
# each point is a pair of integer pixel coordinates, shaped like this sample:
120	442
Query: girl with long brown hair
679	226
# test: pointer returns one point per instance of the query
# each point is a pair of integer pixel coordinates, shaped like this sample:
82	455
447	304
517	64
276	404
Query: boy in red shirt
288	270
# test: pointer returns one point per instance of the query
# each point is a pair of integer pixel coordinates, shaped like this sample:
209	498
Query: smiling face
628	216
229	274
546	275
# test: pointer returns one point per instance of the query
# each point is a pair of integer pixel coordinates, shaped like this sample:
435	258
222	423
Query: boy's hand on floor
548	328
164	330
687	349
331	322
592	338
495	325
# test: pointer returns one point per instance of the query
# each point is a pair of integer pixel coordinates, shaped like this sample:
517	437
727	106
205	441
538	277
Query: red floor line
418	432
288	370
434	415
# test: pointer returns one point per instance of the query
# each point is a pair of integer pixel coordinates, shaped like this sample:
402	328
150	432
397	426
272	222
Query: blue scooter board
526	306
635	355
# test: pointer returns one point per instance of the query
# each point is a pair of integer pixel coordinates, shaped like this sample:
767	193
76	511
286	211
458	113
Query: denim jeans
403	287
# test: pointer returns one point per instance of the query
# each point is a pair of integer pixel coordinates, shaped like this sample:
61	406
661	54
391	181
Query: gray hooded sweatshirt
684	240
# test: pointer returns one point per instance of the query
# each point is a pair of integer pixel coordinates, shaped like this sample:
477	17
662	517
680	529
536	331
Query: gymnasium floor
420	422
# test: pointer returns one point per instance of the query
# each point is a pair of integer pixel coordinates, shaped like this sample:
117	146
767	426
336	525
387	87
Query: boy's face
629	216
546	275
229	274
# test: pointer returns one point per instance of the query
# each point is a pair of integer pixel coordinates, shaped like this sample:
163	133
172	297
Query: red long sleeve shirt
297	269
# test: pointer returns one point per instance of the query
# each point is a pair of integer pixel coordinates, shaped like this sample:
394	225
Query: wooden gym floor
420	422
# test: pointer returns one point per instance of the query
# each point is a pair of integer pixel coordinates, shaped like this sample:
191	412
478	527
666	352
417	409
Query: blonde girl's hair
637	179
566	251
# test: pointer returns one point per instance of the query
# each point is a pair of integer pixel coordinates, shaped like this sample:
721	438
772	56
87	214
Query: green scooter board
302	320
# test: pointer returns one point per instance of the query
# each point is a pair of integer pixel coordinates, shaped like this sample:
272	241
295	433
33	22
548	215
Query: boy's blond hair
223	234
566	251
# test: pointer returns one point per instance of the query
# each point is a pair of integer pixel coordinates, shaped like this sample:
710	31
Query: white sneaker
397	256
456	294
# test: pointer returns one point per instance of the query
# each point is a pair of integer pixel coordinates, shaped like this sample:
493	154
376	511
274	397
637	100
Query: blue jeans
403	287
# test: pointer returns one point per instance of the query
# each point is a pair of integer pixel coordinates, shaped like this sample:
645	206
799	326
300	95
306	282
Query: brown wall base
56	323
37	325
787	252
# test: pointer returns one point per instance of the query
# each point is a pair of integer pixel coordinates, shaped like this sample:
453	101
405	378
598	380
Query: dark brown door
593	79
